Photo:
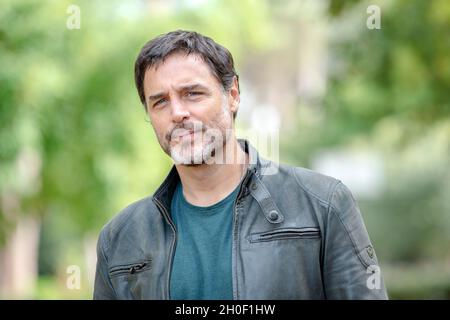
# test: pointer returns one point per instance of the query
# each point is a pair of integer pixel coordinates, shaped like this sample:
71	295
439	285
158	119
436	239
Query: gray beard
196	156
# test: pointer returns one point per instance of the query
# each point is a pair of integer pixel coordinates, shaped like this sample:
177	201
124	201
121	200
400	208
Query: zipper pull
133	269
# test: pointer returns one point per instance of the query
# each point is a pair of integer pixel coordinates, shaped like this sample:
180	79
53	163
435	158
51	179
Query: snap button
370	251
273	215
254	186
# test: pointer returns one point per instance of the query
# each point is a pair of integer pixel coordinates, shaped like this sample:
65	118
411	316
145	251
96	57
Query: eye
193	93
159	102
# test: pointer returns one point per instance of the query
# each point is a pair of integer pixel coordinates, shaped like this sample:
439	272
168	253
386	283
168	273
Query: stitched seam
355	248
304	188
326	206
330	198
108	280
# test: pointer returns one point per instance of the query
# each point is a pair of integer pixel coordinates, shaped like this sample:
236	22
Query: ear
234	96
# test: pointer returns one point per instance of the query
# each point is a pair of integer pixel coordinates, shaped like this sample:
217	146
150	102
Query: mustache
188	126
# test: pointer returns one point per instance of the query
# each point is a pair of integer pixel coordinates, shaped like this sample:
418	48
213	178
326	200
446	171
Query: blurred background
368	106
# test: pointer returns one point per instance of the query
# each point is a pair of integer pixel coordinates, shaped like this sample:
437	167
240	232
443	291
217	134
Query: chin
193	158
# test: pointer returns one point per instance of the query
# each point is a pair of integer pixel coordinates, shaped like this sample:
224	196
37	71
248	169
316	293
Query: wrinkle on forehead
194	72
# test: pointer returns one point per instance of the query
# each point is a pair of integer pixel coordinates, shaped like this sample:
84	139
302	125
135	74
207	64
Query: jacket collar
166	189
256	168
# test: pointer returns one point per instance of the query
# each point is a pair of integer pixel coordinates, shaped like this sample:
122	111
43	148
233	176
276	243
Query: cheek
213	113
158	128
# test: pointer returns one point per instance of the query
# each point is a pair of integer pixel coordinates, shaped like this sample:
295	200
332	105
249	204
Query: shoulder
315	185
331	193
327	192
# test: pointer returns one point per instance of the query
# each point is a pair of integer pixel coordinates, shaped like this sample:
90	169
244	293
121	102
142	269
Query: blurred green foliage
388	92
68	107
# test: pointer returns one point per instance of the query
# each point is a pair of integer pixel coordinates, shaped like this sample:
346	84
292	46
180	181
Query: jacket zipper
131	269
166	215
234	266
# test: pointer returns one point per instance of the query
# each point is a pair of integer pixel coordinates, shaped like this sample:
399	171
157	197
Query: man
222	225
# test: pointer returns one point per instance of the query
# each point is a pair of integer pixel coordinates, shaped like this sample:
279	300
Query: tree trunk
19	260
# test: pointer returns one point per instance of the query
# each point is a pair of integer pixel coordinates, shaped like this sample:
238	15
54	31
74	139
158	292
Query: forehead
176	70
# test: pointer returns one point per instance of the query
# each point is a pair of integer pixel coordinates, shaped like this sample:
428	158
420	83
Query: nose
179	111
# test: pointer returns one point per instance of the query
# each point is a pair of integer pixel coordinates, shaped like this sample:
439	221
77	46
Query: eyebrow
156	96
194	86
188	87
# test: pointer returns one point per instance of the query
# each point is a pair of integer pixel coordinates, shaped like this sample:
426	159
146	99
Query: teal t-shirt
201	266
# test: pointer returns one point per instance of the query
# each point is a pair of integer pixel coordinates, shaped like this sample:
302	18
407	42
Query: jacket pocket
285	233
129	269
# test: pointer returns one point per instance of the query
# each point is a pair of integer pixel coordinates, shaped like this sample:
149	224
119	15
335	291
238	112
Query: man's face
188	108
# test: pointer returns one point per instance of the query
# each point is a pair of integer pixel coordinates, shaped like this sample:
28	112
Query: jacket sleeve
350	266
103	289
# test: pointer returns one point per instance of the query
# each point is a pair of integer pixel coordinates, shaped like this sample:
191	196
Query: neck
207	184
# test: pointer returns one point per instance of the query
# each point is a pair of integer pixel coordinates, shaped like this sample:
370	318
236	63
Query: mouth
187	134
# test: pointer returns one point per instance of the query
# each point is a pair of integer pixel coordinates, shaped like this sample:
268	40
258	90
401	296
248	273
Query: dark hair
158	49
